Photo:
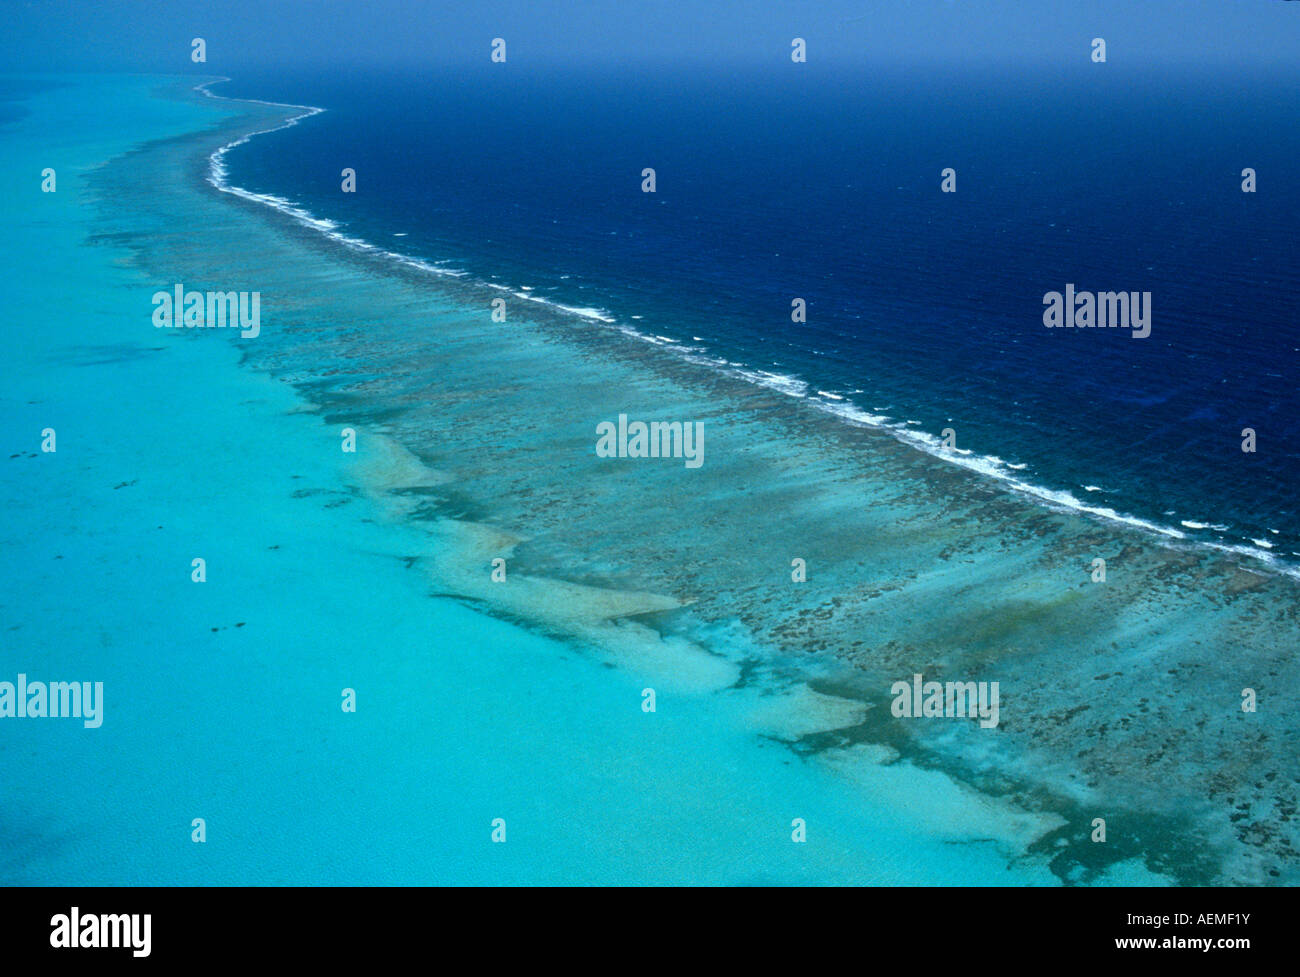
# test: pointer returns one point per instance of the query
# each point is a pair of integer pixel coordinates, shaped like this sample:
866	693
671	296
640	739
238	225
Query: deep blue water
922	306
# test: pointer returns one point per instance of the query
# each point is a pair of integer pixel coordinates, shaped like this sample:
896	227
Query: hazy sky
154	35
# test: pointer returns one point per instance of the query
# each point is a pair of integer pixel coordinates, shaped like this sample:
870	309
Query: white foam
790	386
1260	554
993	467
988	465
218	176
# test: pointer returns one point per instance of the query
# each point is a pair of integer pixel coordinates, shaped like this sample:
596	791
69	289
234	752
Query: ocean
570	668
924	309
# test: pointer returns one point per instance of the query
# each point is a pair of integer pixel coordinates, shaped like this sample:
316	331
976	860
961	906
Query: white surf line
989	466
218	177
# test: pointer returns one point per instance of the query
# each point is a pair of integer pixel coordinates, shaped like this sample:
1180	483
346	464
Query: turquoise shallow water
523	701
